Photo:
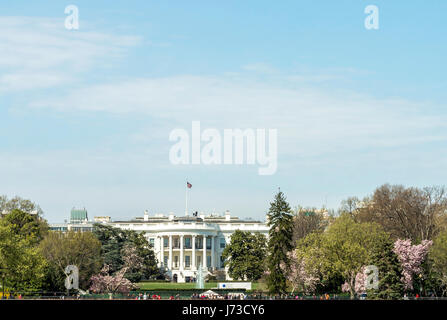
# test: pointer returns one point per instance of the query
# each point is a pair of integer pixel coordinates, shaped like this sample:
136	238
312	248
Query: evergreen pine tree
390	272
280	221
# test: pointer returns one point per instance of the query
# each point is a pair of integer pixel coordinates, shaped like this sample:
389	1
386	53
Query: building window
175	261
152	242
188	243
208	243
199	243
222	262
187	261
166	261
165	242
176	243
222	243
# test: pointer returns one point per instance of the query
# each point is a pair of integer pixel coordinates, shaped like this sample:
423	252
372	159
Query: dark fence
187	294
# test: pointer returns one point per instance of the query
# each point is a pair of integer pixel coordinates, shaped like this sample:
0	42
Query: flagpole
186	200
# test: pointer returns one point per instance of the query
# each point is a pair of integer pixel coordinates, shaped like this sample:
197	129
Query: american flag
188	185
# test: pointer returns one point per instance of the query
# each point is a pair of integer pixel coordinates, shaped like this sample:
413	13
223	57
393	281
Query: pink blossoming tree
359	286
106	283
411	258
300	275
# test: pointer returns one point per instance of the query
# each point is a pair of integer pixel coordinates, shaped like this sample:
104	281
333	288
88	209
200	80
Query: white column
204	252
212	253
193	253
162	250
158	250
170	252
181	252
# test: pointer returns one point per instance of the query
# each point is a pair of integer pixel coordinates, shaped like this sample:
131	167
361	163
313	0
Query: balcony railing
187	247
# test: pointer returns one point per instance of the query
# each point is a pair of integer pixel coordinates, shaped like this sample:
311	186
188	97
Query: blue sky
85	115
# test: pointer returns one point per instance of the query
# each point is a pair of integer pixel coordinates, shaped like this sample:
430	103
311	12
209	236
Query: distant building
310	212
64	227
102	219
78	216
78	222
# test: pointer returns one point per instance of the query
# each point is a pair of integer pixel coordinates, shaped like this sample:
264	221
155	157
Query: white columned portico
204	253
193	252
181	252
170	252
212	253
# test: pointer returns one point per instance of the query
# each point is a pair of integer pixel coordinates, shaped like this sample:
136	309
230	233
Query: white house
183	244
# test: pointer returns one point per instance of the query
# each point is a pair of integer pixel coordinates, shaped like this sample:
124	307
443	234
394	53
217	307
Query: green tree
280	222
245	255
81	249
145	251
120	245
26	225
347	247
22	267
310	250
437	258
341	251
390	271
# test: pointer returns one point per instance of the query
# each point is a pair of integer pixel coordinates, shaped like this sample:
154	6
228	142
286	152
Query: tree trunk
352	287
3	287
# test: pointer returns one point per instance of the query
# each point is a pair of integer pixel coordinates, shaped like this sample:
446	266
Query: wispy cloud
260	68
36	53
20	81
310	120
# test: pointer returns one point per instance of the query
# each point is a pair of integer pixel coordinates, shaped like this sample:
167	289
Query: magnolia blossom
131	258
360	280
359	283
299	274
345	287
411	258
105	283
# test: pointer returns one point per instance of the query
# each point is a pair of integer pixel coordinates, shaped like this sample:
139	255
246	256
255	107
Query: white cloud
29	81
39	52
260	68
310	120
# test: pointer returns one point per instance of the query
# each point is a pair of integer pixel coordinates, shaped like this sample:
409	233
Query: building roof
78	215
188	219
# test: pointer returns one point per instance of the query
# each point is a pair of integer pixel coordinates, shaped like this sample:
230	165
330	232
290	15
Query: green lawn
179	286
